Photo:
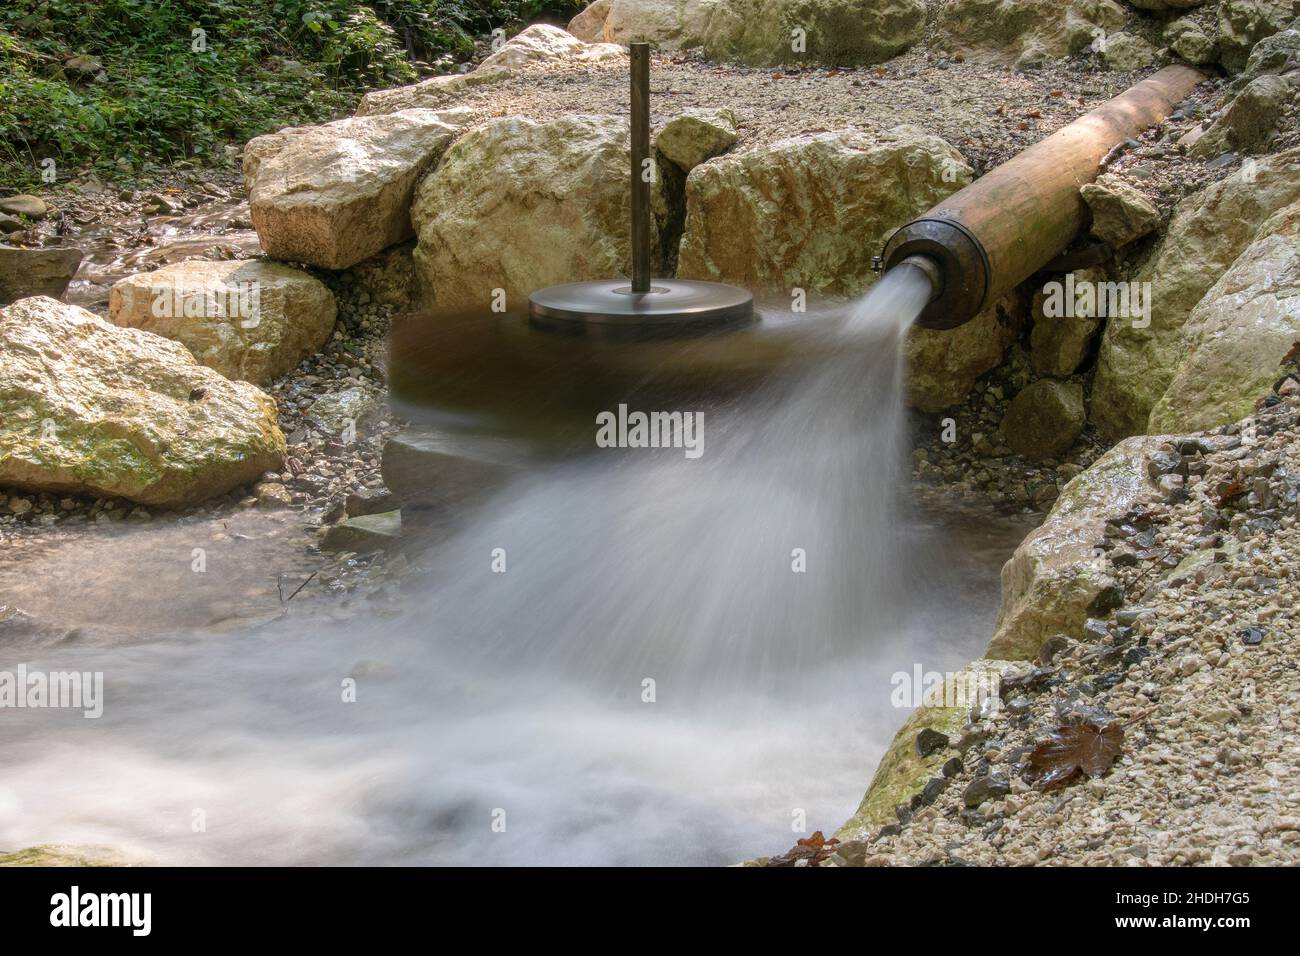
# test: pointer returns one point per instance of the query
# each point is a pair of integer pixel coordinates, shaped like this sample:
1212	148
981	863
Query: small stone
369	501
1107	600
929	741
694	136
1164	461
364	534
1052	648
272	494
1120	213
933	789
1251	636
985	788
1044	419
1095	629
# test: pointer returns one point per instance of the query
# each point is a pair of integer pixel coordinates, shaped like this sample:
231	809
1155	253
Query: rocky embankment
1141	706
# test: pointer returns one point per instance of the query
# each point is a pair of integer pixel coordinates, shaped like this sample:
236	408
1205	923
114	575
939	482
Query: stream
626	656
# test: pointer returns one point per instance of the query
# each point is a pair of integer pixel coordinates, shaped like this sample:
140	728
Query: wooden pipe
989	237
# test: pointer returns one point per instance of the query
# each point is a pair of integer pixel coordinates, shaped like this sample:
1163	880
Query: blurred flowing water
523	698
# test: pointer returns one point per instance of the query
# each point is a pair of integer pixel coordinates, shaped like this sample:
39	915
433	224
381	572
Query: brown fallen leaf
1035	114
1057	93
818	839
1023	125
1233	489
958	58
1074	749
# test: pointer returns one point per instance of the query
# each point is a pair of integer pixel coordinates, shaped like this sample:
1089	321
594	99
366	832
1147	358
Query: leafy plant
182	78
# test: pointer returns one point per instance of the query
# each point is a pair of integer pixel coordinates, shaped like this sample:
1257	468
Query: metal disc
671	307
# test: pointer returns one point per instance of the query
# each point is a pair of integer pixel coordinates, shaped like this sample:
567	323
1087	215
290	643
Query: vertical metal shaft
641	167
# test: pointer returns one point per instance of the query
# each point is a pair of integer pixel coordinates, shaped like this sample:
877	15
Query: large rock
1164	6
589	25
364	533
1059	344
28	272
1238	334
1126	52
437	92
443	471
90	408
1276	54
810	211
1186	38
761	32
1044	419
336	194
695	136
942	367
903	771
519	204
1120	212
1208	231
1249	120
542	44
247	318
33	207
1027	31
1243	23
1052	580
668	24
538	45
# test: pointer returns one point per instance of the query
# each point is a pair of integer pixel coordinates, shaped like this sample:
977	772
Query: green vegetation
121	83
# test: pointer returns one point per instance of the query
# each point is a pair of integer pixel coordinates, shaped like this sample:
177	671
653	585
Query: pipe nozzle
930	269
